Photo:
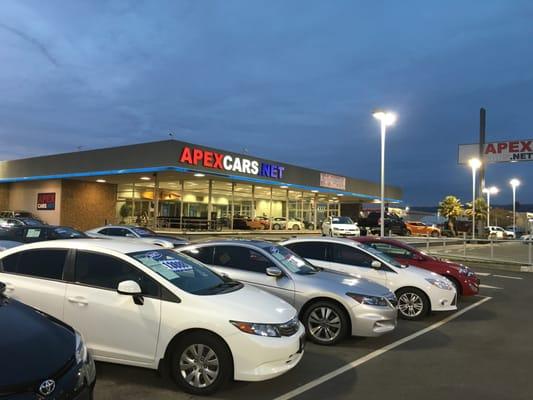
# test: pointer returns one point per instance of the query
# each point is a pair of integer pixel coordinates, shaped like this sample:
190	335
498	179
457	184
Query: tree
481	209
451	208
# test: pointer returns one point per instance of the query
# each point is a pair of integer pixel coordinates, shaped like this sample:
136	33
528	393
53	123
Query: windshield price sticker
274	250
177	265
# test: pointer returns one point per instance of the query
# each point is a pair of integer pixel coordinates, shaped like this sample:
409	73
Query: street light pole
514	184
489	191
386	119
474	164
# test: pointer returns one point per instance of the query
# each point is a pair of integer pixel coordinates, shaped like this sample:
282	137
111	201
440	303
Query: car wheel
201	363
296	227
413	304
276	227
434	234
325	323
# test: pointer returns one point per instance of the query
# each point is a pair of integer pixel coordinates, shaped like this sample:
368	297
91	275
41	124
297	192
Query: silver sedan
331	305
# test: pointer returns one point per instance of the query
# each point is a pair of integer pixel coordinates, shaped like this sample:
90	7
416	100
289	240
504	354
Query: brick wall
86	205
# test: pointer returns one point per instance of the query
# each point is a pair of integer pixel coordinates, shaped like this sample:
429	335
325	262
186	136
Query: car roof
328	239
250	242
121	246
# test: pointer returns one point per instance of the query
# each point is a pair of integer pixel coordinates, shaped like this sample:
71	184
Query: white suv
146	306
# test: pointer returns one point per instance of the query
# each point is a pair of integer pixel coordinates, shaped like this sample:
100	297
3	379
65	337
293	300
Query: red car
465	280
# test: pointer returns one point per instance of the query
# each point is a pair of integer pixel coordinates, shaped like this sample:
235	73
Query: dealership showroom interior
267	200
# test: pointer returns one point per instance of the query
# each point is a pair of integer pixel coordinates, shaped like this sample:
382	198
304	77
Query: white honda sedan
146	306
418	291
340	226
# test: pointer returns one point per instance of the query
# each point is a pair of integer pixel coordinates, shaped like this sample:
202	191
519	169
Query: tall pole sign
481	155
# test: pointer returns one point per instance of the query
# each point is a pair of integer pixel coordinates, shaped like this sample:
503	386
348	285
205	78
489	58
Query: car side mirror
274	271
375	264
133	289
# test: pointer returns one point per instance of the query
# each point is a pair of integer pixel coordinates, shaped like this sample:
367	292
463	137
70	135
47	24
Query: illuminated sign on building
506	151
46	201
225	162
332	181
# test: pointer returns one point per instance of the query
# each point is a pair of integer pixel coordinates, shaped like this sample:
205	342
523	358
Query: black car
38	233
392	223
42	358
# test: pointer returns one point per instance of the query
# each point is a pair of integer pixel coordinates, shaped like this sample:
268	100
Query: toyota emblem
47	387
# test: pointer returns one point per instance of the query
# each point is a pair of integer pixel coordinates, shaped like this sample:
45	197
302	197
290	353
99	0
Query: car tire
407	232
325	318
214	357
276	227
296	227
413	304
434	234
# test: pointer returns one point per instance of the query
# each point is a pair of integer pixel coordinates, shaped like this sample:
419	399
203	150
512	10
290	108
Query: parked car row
216	310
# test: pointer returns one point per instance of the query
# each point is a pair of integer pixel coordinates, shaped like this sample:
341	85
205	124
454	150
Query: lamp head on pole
474	163
491	190
387	117
514	183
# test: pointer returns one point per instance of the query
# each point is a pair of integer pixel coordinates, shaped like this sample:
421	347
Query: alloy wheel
324	324
410	304
199	365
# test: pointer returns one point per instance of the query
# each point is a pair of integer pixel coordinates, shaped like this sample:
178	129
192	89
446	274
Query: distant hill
521	208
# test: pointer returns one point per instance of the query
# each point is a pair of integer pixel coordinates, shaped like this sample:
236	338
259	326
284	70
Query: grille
289	328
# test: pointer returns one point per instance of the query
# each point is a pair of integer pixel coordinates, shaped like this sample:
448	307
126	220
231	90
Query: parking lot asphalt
483	353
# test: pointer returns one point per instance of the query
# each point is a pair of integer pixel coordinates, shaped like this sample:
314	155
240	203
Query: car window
202	254
391	250
65	232
242	258
312	250
103	271
46	264
351	256
143	232
9	263
185	272
116	232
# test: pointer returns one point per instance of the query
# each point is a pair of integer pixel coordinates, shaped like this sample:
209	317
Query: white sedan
418	291
340	226
146	306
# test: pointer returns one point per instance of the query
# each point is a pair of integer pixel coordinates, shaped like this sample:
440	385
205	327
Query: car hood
33	345
418	273
250	304
341	284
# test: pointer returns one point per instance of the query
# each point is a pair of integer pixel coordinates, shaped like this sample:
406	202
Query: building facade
179	185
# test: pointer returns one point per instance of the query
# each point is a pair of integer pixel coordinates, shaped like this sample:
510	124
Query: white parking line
508	277
376	353
490	287
483	273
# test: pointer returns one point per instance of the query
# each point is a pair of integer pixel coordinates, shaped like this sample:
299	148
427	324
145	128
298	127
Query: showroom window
107	272
241	258
47	264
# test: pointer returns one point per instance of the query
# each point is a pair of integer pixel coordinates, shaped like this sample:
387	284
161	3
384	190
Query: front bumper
371	321
257	358
470	286
346	233
442	300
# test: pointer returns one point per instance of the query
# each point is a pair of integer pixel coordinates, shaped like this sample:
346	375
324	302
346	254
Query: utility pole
482	124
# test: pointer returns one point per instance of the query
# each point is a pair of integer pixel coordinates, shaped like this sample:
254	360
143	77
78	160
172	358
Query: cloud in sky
294	81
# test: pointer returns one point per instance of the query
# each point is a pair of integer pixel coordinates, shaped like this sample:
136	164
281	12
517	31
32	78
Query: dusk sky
294	81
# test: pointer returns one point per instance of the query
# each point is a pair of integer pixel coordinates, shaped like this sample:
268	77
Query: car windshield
342	220
291	261
31	221
384	257
143	232
69	233
185	272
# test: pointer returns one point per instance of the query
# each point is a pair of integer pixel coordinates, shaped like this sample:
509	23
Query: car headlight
464	270
441	284
81	349
268	330
369	300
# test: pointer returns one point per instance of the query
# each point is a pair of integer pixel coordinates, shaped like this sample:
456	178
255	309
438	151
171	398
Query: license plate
302	344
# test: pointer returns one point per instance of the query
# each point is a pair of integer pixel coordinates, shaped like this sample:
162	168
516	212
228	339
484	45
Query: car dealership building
173	184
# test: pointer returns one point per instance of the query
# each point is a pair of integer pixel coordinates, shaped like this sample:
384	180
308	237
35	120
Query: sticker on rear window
177	265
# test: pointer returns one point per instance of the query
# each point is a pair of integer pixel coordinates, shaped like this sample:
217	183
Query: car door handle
82	301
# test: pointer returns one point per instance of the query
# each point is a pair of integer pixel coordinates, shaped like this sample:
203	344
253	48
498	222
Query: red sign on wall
46	201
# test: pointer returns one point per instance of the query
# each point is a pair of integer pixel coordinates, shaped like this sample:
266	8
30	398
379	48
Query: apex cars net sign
508	151
46	201
226	162
332	181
